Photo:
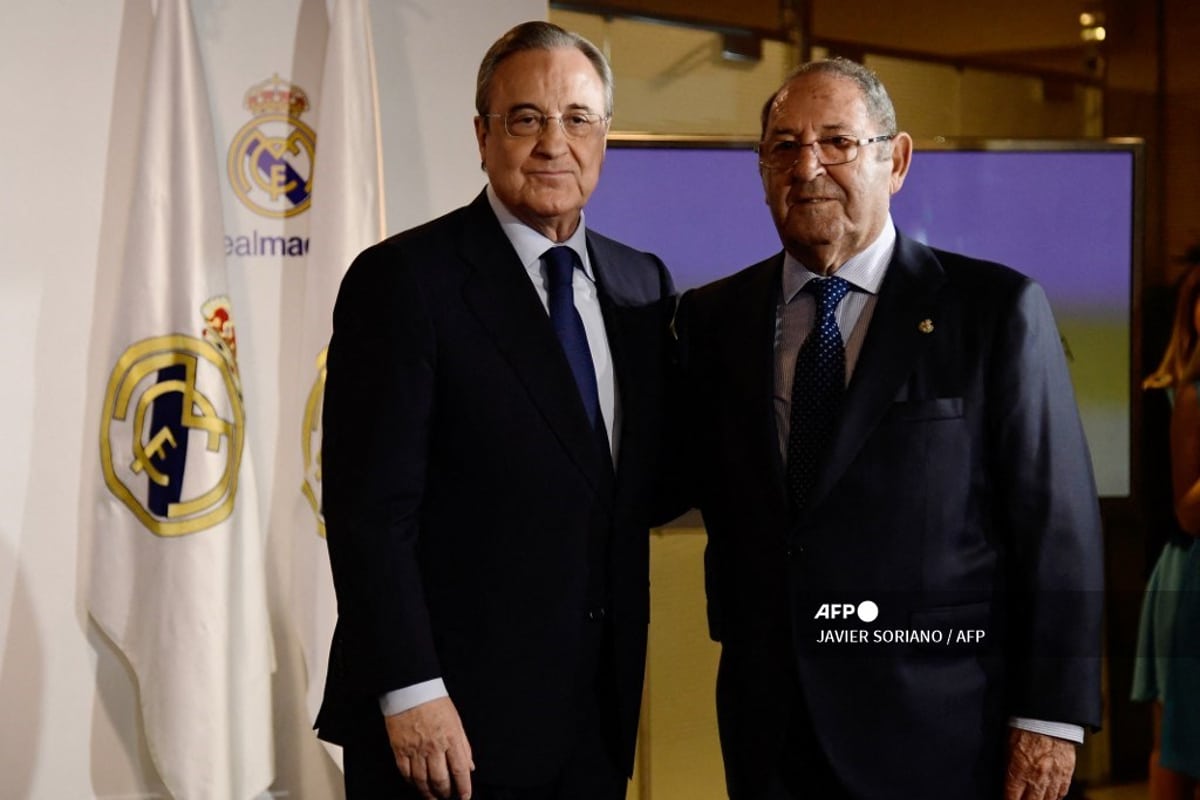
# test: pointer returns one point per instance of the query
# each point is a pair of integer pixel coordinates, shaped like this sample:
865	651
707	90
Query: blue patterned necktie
817	389
560	271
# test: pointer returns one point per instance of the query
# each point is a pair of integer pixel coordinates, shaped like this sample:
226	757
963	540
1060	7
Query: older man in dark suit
887	432
492	420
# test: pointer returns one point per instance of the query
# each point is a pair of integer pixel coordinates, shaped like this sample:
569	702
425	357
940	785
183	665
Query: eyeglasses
783	154
525	122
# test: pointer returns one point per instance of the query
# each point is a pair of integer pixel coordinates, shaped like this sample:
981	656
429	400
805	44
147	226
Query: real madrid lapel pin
925	326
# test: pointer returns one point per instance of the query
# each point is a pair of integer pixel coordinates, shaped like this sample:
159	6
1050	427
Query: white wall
70	722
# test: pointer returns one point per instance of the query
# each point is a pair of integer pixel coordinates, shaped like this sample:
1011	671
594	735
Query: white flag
347	215
177	570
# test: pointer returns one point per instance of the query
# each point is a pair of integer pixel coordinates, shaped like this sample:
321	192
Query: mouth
811	193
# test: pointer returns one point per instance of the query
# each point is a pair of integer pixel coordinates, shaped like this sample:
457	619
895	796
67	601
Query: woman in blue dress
1167	670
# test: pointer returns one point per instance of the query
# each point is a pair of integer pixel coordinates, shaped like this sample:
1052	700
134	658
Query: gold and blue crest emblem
270	161
173	427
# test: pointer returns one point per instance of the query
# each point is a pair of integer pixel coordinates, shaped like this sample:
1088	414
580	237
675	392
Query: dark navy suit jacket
467	501
957	495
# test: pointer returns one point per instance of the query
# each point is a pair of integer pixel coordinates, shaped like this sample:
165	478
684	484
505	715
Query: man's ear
902	148
481	134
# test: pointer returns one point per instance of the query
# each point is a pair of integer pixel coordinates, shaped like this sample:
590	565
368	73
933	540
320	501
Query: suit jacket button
596	613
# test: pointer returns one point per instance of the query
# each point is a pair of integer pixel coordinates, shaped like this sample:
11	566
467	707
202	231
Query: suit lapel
500	295
894	342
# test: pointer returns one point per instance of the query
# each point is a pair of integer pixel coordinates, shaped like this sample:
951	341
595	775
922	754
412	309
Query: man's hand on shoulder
431	749
1039	766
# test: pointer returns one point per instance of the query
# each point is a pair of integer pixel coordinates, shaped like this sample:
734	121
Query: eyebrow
831	128
535	107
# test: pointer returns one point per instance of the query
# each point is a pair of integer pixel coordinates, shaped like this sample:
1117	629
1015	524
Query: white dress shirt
530	245
795	316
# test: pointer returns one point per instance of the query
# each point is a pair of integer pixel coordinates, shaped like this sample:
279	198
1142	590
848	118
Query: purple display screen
1064	215
1063	218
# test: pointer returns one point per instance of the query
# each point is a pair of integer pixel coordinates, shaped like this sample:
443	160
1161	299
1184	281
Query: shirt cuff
399	700
1059	730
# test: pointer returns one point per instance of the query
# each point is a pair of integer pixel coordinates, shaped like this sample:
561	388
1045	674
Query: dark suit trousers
801	770
770	748
589	773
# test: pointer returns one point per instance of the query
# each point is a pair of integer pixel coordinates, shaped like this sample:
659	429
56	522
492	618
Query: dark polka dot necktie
560	272
817	389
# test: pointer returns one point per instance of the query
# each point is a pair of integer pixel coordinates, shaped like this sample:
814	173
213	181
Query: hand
431	749
1039	766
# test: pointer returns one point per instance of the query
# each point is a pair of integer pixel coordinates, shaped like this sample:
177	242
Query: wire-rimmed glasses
783	154
524	122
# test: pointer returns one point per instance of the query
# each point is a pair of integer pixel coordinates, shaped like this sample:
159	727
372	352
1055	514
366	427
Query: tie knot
560	266
828	293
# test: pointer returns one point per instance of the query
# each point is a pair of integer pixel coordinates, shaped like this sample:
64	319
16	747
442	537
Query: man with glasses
903	563
493	410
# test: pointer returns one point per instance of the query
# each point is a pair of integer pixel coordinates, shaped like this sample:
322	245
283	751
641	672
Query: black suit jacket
957	495
468	505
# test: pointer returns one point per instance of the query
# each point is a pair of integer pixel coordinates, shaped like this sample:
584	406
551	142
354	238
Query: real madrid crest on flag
270	161
171	443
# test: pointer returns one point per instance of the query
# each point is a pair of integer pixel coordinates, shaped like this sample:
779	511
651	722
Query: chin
556	207
809	238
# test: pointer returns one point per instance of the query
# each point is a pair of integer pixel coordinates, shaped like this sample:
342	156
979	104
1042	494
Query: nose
808	165
553	135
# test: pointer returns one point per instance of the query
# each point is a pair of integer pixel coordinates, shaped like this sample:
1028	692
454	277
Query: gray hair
879	104
538	35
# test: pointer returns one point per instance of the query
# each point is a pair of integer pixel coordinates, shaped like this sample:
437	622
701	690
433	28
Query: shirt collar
864	271
529	244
